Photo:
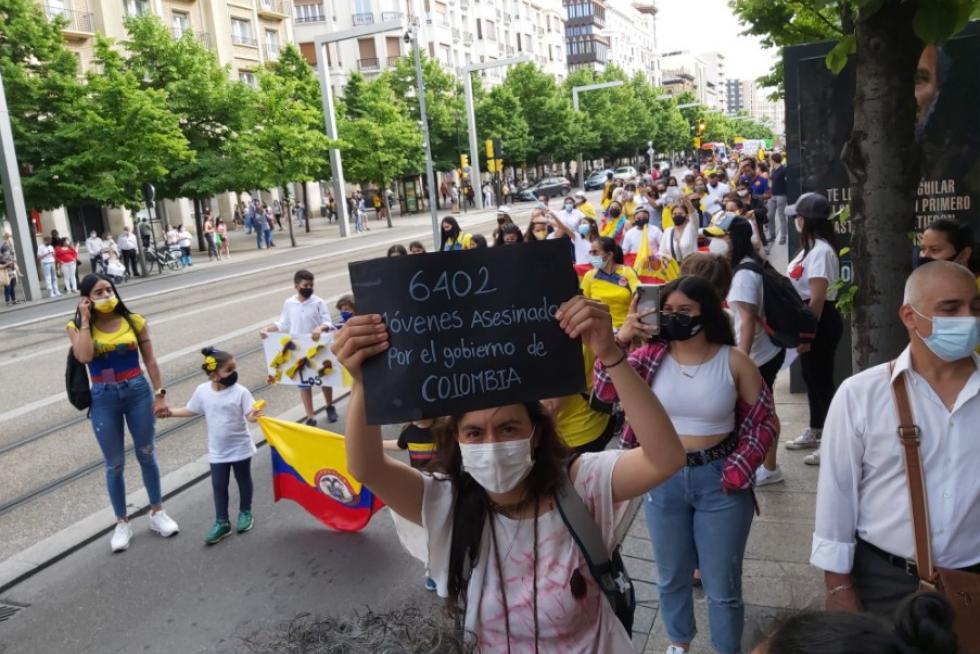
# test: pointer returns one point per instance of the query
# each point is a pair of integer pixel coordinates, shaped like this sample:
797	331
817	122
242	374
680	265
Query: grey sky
710	25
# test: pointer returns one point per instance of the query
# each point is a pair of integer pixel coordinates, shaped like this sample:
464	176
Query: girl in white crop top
693	520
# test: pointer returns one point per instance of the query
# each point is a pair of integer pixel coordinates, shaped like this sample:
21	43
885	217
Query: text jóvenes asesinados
485	345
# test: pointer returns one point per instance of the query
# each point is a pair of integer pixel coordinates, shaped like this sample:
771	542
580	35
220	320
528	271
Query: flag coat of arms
309	466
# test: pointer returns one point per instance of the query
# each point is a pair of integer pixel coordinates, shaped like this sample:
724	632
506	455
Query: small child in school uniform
305	313
416	437
227	408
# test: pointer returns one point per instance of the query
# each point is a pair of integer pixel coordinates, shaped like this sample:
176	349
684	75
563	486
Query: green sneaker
220	529
245	521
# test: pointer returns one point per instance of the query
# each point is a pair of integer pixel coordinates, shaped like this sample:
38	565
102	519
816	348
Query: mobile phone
648	297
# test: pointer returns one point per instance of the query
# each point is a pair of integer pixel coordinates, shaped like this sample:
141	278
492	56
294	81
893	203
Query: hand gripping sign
469	330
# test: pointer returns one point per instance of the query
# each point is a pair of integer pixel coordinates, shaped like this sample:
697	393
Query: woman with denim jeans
109	338
723	413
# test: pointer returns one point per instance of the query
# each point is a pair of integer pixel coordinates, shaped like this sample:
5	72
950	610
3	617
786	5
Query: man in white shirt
305	313
569	215
45	256
717	190
863	538
127	250
633	238
93	245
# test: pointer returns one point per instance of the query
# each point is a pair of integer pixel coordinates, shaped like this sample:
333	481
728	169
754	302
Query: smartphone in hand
648	297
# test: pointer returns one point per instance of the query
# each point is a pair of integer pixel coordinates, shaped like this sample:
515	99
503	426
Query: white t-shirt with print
820	262
229	439
566	624
747	287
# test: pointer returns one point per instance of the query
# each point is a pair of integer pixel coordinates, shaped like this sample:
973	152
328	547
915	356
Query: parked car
625	173
597	180
549	186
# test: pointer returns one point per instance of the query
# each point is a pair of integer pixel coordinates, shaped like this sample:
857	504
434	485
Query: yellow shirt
587	209
123	336
616	296
577	423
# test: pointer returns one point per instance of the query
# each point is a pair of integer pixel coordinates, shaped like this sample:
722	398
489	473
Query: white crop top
700	401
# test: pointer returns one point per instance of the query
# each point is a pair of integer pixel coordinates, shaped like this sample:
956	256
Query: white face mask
498	467
718	246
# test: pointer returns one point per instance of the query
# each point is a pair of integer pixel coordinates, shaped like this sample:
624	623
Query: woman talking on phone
111	339
725	418
498	548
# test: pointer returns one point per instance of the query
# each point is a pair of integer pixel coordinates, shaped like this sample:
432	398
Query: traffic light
464	161
489	146
701	126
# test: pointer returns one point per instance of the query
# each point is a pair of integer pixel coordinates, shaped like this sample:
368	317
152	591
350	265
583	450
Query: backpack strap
586	534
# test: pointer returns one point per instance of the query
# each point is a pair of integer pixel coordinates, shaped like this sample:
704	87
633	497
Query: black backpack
76	383
788	320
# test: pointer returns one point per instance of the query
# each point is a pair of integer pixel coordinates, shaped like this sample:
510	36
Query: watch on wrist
160	392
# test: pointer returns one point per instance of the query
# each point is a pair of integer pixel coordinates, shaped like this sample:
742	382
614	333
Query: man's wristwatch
160	392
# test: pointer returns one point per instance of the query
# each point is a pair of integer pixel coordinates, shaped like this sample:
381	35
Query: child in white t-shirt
227	408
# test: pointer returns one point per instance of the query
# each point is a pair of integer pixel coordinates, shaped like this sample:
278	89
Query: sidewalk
178	595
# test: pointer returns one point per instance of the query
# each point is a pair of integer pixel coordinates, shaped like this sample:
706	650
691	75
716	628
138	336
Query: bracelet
838	589
621	359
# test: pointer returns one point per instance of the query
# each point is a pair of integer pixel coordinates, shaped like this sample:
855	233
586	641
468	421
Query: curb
27	563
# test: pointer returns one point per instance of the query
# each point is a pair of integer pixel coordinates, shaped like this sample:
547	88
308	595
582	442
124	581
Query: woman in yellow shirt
111	340
609	281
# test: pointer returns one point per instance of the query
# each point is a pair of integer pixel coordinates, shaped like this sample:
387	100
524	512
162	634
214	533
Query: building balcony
510	51
277	9
311	14
468	38
272	51
241	39
457	34
464	4
391	15
585	58
369	64
77	25
203	37
362	19
391	62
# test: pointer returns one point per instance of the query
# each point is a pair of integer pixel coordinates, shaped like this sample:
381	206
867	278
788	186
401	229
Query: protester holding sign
491	518
726	420
609	281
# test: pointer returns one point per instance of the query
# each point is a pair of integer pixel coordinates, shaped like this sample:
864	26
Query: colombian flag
309	466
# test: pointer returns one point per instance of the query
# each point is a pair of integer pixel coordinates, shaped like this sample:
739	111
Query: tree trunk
199	223
306	207
288	215
882	162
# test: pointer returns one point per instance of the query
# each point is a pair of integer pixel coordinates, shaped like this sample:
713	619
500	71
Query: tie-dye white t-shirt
566	624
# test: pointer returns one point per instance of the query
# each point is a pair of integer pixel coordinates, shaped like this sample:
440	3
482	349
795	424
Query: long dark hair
740	232
472	503
960	236
817	228
508	228
85	289
451	234
609	246
714	322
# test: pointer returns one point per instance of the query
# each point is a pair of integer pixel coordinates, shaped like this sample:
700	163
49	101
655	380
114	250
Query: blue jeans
694	524
131	400
258	237
268	237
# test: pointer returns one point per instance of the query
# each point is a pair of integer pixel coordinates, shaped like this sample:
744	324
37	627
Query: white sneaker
812	459
674	649
808	440
163	524
764	476
121	536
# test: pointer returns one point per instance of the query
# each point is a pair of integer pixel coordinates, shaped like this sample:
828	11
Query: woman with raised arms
491	514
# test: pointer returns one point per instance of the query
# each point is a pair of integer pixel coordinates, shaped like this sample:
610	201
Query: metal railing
311	16
242	39
391	15
371	63
456	34
274	7
203	37
391	62
510	50
363	19
468	38
76	21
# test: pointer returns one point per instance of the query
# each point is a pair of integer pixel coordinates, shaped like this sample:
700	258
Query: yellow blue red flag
309	466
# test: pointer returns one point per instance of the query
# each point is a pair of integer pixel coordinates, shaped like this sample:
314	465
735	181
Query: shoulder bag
961	588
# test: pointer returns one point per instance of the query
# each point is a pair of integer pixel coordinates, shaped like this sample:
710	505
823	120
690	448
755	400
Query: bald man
863	538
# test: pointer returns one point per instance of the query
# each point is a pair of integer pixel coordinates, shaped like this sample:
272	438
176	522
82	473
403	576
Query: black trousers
880	586
818	364
771	368
129	260
221	476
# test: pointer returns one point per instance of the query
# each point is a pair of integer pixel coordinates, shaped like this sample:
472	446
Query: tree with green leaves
125	136
380	140
45	101
283	140
881	156
499	116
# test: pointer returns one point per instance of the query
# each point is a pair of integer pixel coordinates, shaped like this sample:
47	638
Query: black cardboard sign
469	330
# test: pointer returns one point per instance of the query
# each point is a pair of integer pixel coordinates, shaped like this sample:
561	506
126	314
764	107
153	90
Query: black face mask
615	213
640	222
680	220
305	293
230	380
679	326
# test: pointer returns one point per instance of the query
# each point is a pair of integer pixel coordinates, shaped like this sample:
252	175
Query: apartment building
746	96
244	34
620	32
454	32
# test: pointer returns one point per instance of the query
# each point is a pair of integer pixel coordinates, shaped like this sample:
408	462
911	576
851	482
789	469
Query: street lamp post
471	117
329	120
576	90
413	35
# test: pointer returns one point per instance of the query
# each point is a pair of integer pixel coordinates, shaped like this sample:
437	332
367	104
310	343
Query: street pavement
178	595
